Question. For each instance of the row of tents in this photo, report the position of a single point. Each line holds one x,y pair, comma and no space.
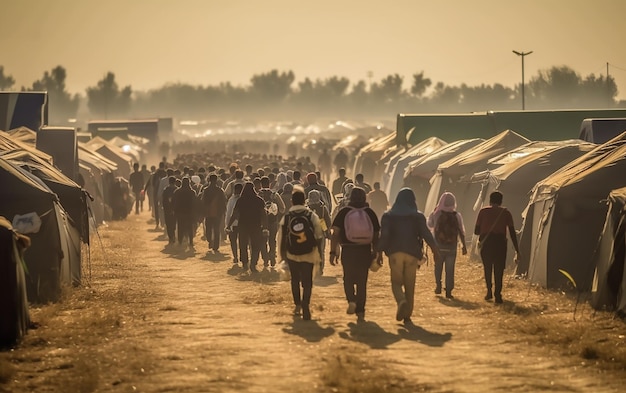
56,212
566,197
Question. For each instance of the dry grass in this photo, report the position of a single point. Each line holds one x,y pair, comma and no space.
352,372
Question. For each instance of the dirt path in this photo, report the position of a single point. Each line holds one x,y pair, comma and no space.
153,320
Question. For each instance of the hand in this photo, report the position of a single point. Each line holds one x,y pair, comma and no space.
516,258
379,258
464,250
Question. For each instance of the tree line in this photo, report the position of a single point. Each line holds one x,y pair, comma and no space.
275,95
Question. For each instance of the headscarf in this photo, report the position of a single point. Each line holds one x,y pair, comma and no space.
447,202
358,198
287,189
314,197
405,203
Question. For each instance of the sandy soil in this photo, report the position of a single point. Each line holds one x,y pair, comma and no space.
149,319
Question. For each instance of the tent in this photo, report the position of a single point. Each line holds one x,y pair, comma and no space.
601,130
14,314
394,171
419,172
367,158
112,153
48,266
609,283
455,174
565,215
517,171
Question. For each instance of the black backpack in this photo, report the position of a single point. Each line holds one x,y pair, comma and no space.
299,233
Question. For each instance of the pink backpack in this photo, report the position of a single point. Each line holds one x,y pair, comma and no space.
358,226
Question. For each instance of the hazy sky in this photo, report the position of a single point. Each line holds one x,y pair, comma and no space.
148,43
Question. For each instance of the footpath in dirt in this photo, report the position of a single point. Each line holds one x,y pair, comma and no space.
157,319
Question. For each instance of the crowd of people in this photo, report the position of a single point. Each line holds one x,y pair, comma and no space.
279,213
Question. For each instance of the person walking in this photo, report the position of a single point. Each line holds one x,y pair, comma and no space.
403,232
232,231
356,229
169,217
184,202
315,203
252,222
337,186
274,208
298,240
447,226
377,199
214,206
491,226
136,185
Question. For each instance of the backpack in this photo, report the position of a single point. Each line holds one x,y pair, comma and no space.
299,232
447,228
271,208
358,226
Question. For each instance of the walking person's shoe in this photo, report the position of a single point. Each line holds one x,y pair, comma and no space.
351,308
489,295
408,322
297,309
360,317
306,313
498,299
438,289
402,311
449,294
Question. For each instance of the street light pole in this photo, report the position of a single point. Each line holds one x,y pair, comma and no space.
522,54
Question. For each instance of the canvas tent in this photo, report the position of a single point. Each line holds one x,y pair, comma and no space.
367,158
455,174
47,259
14,316
112,153
419,172
565,215
517,171
609,283
394,171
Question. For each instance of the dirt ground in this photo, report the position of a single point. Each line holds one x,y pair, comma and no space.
150,319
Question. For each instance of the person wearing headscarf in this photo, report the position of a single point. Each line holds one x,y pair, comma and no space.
281,180
184,201
447,226
356,258
250,211
403,228
313,184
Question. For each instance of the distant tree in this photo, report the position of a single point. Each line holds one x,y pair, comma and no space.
486,97
445,98
61,103
388,90
599,91
6,81
420,84
272,87
106,99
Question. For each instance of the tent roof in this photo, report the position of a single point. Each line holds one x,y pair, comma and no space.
605,164
44,170
19,176
9,143
481,153
24,134
427,165
543,153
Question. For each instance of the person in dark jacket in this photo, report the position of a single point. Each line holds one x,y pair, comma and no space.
492,224
250,211
214,208
184,203
168,210
355,258
402,229
136,185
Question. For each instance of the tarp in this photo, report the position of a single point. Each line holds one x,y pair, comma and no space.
366,160
565,216
609,283
112,153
